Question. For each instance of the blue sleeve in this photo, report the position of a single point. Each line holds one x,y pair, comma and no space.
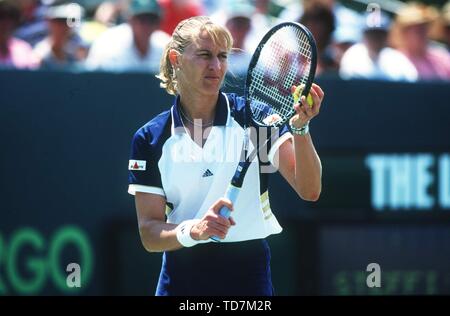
143,165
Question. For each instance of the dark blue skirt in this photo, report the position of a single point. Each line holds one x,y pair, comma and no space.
217,269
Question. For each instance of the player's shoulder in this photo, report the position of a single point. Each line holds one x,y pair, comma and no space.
237,102
237,106
155,130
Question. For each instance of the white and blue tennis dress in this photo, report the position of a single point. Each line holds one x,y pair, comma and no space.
165,160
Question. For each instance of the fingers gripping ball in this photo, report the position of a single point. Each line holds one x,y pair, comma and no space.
297,92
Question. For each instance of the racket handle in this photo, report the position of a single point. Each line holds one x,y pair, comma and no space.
231,194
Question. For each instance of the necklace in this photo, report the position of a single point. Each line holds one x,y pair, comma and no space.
193,122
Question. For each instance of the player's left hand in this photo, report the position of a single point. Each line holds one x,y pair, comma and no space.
306,112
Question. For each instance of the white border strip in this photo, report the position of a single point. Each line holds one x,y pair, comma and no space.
278,143
133,188
228,108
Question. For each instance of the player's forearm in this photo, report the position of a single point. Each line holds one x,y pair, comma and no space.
308,168
157,236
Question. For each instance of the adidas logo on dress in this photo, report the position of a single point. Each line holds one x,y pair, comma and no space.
207,173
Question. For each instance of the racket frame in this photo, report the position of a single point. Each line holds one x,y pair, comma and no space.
233,189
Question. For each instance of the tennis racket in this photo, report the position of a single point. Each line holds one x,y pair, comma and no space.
285,57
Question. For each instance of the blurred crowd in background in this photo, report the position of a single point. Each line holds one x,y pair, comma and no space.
401,41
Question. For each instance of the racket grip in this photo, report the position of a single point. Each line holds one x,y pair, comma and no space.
231,194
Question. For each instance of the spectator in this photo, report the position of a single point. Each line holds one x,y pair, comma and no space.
63,47
347,21
411,37
266,14
242,8
373,59
14,53
239,24
347,30
133,46
175,11
33,27
105,16
446,23
320,20
212,6
440,31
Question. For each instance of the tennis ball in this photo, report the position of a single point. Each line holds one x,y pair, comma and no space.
310,101
297,92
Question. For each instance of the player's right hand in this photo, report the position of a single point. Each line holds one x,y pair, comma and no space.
212,224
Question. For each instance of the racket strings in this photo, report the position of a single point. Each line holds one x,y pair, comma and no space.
284,61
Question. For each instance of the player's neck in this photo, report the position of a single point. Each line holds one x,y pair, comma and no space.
199,107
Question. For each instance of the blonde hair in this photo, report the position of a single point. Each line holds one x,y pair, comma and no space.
186,32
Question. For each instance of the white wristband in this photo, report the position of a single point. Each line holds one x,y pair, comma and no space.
184,233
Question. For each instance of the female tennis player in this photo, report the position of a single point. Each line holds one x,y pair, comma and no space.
183,159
